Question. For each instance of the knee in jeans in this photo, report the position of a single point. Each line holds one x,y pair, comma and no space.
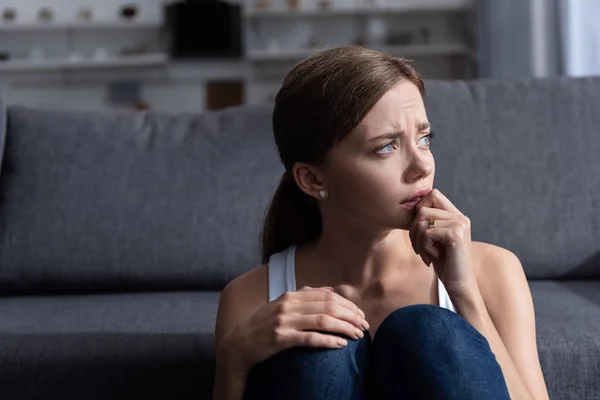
415,317
321,360
419,320
307,373
421,323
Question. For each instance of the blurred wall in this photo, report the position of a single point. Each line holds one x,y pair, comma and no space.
518,38
581,36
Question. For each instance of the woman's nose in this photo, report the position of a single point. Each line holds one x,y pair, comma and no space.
420,166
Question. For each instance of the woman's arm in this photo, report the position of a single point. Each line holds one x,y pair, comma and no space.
240,299
230,381
503,312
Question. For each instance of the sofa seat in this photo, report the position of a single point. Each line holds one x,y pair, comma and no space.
568,337
160,345
108,346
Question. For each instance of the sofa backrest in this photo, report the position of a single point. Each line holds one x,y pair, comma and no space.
521,160
147,201
132,201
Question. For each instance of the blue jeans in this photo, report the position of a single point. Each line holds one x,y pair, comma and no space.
420,352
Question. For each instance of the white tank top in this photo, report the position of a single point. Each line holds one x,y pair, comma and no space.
282,278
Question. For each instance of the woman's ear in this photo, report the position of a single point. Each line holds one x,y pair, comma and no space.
309,180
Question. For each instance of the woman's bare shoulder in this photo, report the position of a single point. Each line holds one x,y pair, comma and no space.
241,298
497,271
486,256
251,287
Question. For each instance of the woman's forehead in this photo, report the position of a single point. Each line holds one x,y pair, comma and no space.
401,105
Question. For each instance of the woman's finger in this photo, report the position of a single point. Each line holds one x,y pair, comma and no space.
327,323
317,339
424,243
427,213
429,242
336,311
435,199
322,288
443,236
329,296
424,215
417,228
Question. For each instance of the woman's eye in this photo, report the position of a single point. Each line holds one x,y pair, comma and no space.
429,137
388,148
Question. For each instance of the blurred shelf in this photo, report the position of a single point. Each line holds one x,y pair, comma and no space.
444,49
279,55
441,49
290,13
80,25
145,60
402,7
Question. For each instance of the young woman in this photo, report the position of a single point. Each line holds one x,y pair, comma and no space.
345,305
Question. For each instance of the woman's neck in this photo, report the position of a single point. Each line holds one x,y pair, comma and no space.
358,259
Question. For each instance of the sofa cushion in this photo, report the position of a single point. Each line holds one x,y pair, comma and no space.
2,128
520,159
568,336
124,201
121,346
155,344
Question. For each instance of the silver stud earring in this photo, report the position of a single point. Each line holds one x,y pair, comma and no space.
322,194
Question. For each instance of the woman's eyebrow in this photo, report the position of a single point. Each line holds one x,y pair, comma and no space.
423,126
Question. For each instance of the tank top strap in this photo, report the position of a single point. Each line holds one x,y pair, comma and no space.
282,274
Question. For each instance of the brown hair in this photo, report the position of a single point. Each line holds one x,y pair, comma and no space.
322,99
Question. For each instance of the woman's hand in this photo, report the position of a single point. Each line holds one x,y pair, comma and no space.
292,320
447,244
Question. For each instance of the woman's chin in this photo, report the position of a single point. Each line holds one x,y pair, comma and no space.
396,223
405,219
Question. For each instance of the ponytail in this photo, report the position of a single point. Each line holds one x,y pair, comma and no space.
293,217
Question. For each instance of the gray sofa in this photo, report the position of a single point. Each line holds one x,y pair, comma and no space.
118,230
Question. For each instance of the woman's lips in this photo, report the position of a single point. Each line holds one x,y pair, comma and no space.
415,198
410,205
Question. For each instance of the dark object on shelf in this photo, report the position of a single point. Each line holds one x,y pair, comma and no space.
85,14
204,29
325,4
134,50
4,56
402,38
9,15
141,105
263,4
224,94
46,14
129,12
425,35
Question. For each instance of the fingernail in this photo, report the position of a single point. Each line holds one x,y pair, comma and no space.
330,289
365,325
361,313
342,342
359,333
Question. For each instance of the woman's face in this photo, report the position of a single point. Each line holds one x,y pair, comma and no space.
384,161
